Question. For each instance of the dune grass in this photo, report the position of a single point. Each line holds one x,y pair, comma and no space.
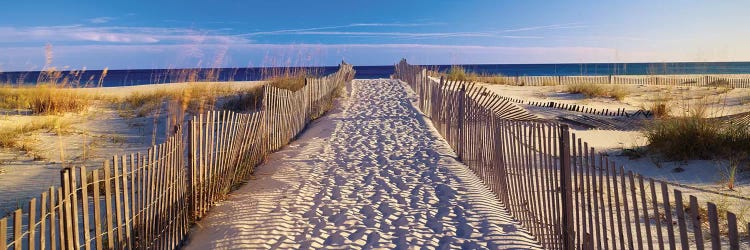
53,93
598,90
248,100
43,99
54,124
195,98
696,137
458,73
288,78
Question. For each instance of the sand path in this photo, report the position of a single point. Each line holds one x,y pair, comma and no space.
371,174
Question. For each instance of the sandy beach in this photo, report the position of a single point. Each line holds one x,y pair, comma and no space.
371,174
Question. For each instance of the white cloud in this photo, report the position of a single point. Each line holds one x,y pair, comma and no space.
298,31
324,31
113,34
396,34
552,26
100,20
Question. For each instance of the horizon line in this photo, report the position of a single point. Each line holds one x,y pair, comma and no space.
371,65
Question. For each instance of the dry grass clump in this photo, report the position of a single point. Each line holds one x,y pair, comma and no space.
492,79
695,137
249,100
458,73
53,94
196,98
55,124
598,90
145,103
660,107
291,79
44,99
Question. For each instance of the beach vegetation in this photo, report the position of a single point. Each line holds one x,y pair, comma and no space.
44,99
598,90
9,136
458,73
288,78
53,93
195,98
660,107
244,101
696,137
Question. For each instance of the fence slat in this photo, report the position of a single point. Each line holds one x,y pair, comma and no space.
126,197
32,225
3,233
97,211
734,241
646,218
108,204
42,221
85,208
118,202
655,206
679,207
67,217
713,221
74,206
696,219
17,229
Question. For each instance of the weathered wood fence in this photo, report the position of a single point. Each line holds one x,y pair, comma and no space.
150,200
583,108
566,194
710,80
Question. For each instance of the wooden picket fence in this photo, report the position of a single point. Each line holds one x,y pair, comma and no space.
695,80
566,194
150,200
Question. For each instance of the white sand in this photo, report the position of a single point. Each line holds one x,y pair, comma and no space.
372,174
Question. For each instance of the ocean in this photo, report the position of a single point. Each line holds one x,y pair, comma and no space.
151,76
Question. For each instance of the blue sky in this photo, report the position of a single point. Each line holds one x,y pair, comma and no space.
189,33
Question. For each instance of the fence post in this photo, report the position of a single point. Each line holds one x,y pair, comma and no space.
461,114
190,167
566,188
66,229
